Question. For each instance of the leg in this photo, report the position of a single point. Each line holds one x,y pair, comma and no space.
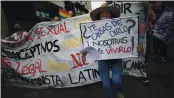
105,78
117,76
163,49
155,45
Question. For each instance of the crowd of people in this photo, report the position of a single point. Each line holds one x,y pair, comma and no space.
160,48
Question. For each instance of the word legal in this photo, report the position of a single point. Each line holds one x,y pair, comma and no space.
28,69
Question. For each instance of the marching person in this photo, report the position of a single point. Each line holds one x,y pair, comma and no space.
19,33
112,89
160,47
115,88
19,36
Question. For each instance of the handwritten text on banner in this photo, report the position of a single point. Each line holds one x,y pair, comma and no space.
163,28
112,38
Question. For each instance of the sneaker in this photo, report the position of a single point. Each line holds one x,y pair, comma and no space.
119,95
163,60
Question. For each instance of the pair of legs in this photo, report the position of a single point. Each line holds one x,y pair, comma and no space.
159,46
115,86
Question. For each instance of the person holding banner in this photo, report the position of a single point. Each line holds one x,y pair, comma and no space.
18,38
160,47
19,33
114,88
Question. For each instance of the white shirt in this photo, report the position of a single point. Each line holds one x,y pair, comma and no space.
18,37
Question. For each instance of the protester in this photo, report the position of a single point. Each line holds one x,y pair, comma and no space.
151,23
18,37
152,16
160,47
115,88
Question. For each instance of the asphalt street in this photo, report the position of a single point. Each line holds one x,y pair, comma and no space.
159,87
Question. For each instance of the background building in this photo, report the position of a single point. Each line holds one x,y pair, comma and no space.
28,13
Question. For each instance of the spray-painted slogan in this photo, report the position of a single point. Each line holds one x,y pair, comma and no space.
113,38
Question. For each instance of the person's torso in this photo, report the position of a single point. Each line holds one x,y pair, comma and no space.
19,35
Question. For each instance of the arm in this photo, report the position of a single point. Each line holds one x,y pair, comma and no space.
152,15
11,41
24,38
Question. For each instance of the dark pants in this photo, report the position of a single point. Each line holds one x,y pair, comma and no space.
114,86
159,46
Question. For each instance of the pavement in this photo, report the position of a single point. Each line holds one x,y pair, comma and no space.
159,87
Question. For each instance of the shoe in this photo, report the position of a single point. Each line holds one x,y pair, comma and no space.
163,60
145,80
119,95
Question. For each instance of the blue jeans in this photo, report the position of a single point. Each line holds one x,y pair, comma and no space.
113,87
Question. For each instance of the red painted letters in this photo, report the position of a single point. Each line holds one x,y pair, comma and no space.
30,69
118,50
78,60
55,30
5,61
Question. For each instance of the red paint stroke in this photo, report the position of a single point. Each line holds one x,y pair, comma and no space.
5,61
30,68
78,60
118,50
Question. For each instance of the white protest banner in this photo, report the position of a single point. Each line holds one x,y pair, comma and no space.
51,57
163,28
112,38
